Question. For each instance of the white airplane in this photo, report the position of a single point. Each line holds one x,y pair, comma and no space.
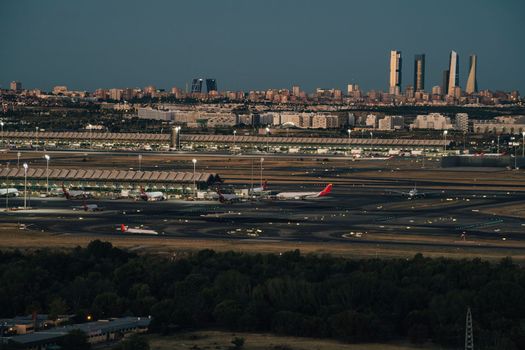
126,229
228,197
75,194
304,195
9,192
413,193
258,190
89,207
152,196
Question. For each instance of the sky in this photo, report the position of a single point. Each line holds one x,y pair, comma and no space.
255,45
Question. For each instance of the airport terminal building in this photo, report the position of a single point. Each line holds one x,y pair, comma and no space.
178,140
104,181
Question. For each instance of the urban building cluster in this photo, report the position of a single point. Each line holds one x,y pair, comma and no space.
449,92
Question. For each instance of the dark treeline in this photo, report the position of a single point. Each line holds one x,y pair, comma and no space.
420,299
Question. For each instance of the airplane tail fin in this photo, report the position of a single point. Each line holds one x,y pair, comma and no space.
123,228
143,194
326,190
66,192
221,197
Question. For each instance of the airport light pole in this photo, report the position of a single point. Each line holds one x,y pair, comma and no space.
2,125
36,138
445,139
523,144
194,161
7,185
267,144
47,157
140,162
262,160
25,185
349,137
178,137
18,154
498,146
234,133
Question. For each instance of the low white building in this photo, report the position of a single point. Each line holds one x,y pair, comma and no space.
435,121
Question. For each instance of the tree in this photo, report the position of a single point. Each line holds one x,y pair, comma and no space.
135,342
238,343
76,340
57,307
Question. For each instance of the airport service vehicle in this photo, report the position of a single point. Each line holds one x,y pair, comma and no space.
9,192
126,229
152,196
75,194
304,195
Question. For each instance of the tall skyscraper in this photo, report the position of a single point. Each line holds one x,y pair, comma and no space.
395,72
444,86
453,72
419,72
16,86
196,86
211,85
472,82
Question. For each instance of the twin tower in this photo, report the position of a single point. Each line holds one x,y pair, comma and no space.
450,76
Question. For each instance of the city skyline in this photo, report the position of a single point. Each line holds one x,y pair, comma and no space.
136,45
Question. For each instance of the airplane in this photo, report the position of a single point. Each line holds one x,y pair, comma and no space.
75,194
228,197
413,193
89,207
151,196
9,192
304,195
126,229
258,190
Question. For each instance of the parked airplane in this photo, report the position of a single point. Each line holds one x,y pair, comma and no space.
9,192
75,194
152,196
228,197
126,229
304,195
260,189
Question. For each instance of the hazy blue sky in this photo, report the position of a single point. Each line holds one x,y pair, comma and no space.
247,44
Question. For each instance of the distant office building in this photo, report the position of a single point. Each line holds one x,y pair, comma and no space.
351,89
196,86
128,94
59,90
453,72
211,85
296,90
409,91
395,72
436,90
371,121
461,122
444,84
391,122
472,83
351,119
150,113
16,86
419,72
434,121
114,94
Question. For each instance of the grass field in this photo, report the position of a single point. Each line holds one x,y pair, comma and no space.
215,340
